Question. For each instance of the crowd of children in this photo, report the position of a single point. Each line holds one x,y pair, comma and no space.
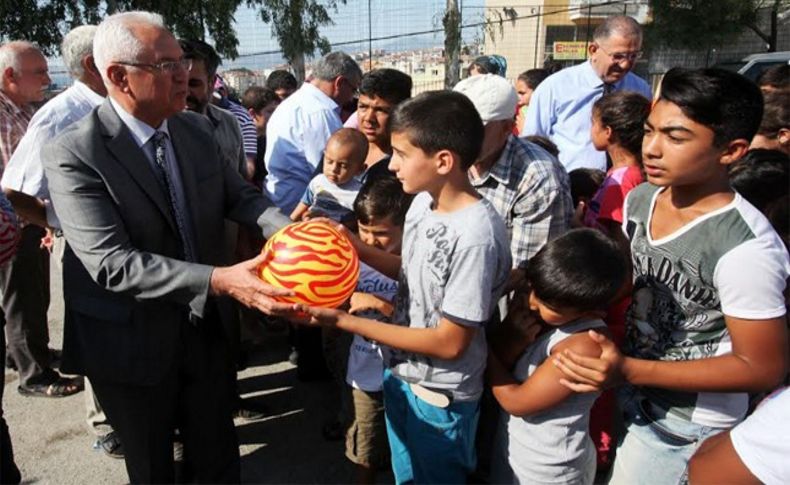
495,334
700,249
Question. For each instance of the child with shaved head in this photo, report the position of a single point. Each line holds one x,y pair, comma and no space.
332,192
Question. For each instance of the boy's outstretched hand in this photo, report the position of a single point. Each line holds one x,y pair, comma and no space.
318,316
591,374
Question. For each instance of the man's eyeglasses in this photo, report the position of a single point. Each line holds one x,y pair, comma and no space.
165,66
622,56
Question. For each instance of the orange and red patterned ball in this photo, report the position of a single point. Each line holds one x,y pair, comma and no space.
313,259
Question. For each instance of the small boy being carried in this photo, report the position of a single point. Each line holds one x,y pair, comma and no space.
331,193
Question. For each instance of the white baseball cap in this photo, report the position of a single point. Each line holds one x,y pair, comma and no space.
493,96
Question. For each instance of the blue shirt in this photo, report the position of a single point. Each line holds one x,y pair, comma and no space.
561,109
296,136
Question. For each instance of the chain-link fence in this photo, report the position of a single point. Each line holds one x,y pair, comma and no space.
409,35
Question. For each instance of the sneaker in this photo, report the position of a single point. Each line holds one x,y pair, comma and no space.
110,444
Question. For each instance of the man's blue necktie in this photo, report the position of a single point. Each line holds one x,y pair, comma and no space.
176,210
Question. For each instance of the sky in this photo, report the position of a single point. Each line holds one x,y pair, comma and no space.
351,23
389,17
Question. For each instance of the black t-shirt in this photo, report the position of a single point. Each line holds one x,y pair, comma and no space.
378,169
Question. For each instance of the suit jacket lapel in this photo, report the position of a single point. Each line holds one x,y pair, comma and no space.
121,144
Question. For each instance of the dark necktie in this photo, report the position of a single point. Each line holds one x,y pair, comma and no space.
176,210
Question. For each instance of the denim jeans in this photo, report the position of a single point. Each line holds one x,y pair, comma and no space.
428,444
656,447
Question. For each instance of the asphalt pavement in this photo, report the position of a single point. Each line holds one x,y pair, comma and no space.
53,444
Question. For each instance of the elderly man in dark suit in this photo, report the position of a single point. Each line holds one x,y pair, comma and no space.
142,192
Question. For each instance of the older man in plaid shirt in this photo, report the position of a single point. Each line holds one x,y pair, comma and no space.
24,283
527,186
24,79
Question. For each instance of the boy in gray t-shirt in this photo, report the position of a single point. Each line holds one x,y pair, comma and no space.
447,260
456,261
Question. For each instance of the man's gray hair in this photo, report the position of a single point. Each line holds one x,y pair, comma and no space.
621,25
115,40
77,45
336,64
11,54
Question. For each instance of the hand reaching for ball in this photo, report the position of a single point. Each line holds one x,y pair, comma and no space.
317,316
241,283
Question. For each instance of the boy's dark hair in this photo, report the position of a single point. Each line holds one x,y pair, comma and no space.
281,79
544,143
197,50
389,84
625,113
581,270
382,197
726,102
776,114
533,77
441,120
776,77
585,183
257,98
761,176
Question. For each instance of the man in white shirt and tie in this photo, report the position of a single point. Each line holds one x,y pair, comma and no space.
561,106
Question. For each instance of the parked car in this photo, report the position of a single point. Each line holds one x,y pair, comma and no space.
752,66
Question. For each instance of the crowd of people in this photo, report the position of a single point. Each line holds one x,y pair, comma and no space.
568,278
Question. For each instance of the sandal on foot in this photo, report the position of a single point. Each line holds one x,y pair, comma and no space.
61,387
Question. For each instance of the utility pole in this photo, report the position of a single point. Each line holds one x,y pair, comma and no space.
452,44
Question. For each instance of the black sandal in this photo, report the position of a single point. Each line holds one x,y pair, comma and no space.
61,387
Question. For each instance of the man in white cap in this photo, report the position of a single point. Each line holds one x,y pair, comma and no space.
527,186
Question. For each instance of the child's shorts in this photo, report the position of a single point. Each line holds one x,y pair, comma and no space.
366,439
429,444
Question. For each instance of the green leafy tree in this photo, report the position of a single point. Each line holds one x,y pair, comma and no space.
193,19
703,24
45,21
296,24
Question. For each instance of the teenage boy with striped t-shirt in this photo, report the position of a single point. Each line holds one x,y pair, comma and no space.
707,323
